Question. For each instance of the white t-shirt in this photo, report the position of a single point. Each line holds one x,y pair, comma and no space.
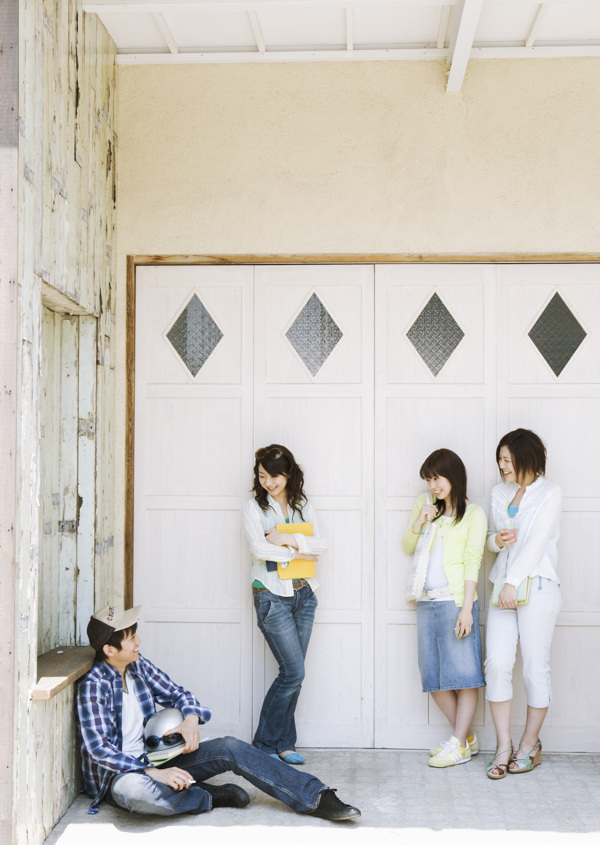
132,722
436,577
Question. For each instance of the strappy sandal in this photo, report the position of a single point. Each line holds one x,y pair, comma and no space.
531,759
501,767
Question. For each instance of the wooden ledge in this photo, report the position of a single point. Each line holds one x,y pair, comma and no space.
61,667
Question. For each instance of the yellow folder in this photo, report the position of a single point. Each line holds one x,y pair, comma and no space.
298,568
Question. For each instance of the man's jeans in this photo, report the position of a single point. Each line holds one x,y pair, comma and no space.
138,793
286,623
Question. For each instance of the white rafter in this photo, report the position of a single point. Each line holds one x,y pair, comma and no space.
467,14
244,5
349,28
443,27
165,31
128,6
258,34
248,57
537,22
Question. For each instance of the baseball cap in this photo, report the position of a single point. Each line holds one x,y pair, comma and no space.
105,622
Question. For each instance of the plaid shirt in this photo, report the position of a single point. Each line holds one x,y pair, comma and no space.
100,713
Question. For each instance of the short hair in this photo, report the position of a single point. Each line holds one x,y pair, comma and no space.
116,641
527,451
446,464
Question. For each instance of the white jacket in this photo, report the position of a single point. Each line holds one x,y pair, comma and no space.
256,522
538,529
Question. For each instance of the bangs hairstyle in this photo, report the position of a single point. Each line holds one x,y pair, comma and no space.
277,460
116,641
446,464
527,451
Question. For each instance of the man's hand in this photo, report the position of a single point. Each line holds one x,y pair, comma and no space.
177,779
189,731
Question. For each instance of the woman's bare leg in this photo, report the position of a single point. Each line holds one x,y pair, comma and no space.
465,713
501,713
447,701
531,733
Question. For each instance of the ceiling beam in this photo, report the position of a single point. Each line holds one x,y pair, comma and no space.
165,31
349,28
249,57
443,27
403,55
99,6
258,33
537,22
546,51
466,18
150,6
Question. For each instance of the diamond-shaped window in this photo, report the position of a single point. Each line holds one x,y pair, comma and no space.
314,334
557,334
435,334
194,335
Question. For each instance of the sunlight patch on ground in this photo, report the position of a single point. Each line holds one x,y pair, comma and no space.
323,834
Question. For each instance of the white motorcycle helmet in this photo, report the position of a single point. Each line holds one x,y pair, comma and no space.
160,748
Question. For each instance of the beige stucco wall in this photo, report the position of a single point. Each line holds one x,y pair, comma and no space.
355,158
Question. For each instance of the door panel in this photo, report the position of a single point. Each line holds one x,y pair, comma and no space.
434,387
193,436
314,393
552,386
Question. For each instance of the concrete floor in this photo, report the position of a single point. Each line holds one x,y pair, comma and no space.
399,796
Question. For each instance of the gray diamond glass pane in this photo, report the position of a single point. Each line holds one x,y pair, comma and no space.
557,334
194,335
435,334
314,334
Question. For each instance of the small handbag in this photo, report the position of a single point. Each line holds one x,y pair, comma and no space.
522,590
420,559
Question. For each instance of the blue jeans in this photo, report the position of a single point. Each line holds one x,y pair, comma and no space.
286,623
138,793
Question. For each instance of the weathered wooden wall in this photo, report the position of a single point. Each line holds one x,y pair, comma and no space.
9,27
65,380
67,444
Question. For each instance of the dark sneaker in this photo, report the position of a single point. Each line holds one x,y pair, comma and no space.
331,808
226,795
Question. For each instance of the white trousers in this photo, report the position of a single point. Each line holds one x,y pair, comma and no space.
533,625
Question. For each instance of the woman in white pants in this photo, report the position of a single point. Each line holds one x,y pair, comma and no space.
523,532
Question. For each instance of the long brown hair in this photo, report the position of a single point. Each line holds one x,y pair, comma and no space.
277,460
447,464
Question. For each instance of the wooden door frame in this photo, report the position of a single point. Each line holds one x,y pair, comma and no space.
134,261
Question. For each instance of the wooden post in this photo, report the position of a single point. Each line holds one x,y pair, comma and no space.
9,111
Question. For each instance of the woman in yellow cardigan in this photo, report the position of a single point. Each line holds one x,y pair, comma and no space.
447,609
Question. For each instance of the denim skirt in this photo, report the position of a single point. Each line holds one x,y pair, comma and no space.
446,662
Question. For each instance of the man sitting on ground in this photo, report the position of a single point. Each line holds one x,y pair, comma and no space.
115,700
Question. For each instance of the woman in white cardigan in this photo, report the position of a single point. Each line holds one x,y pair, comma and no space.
285,607
523,532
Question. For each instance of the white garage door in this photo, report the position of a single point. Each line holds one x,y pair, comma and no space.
361,370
